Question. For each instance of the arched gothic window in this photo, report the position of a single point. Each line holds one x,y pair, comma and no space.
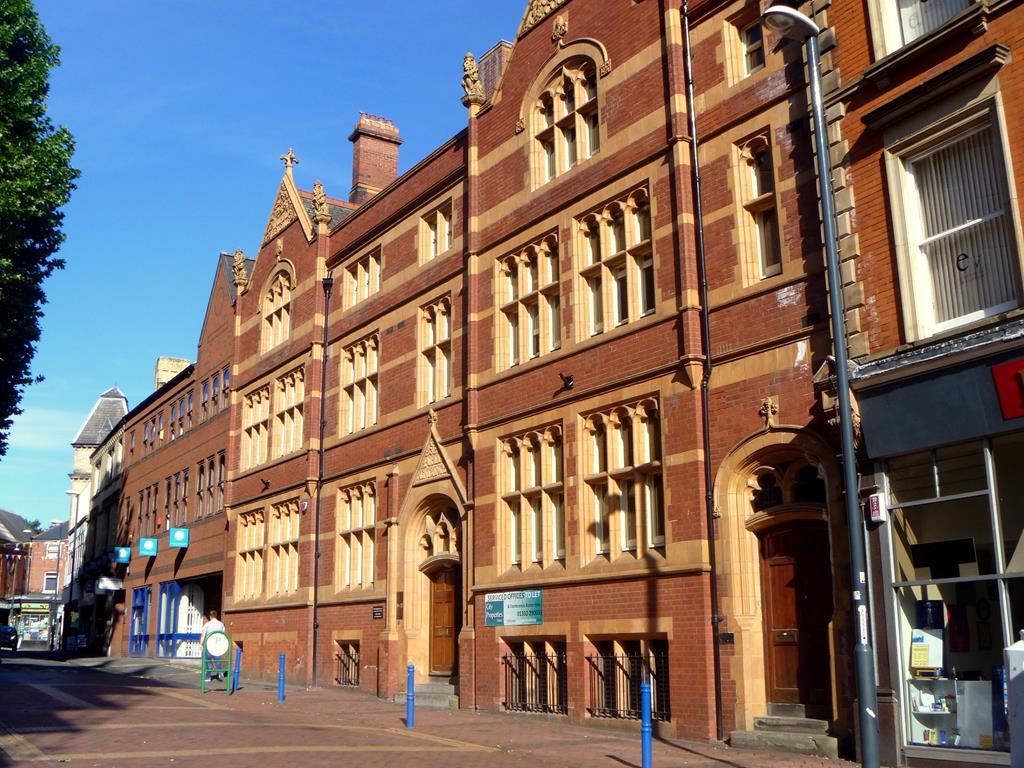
276,311
566,120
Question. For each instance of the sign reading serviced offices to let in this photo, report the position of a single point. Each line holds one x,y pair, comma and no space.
510,609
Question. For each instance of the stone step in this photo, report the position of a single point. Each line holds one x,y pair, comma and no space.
782,741
435,687
431,699
776,723
435,693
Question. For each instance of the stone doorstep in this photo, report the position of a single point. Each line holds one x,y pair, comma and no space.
790,724
435,694
782,741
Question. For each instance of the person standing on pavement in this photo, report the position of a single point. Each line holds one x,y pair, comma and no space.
212,624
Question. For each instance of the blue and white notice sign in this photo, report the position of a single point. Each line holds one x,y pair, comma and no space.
122,554
512,609
147,547
178,537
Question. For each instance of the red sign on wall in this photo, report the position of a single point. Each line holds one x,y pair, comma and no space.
1009,379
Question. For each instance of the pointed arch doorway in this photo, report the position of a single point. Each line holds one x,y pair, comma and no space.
442,567
790,520
430,545
774,491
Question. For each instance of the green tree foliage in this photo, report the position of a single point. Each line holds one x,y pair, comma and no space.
36,179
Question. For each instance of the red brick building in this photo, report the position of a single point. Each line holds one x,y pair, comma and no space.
925,115
172,490
465,426
513,495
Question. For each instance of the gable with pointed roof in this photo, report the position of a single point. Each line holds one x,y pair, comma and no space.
108,411
287,208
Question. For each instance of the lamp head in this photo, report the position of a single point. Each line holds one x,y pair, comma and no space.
789,22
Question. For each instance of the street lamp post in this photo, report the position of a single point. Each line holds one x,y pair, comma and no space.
790,23
328,284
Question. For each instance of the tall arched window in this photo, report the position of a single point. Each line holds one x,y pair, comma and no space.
566,121
276,304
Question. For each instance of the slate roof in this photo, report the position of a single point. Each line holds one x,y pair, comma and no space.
227,263
12,527
57,532
109,410
338,212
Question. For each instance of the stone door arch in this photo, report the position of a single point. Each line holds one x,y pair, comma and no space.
773,486
431,541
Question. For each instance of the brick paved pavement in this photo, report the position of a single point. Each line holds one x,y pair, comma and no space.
93,713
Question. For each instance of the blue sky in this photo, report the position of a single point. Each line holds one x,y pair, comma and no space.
180,110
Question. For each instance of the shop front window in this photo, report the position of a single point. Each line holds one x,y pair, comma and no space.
956,524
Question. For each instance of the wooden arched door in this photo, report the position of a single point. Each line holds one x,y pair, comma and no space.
796,583
444,620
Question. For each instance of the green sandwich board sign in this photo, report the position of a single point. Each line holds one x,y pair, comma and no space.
511,609
217,660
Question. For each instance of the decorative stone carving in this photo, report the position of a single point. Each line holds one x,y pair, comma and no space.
432,466
605,68
520,125
281,215
536,13
769,412
431,417
279,249
559,29
321,210
471,82
238,270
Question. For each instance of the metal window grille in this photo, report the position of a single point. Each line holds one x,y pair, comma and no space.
348,665
536,683
615,684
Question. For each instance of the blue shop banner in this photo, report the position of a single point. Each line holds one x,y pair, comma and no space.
178,537
122,554
512,609
147,547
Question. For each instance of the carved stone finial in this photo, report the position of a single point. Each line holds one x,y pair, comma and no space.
471,83
769,411
238,270
520,125
289,160
321,210
559,29
432,417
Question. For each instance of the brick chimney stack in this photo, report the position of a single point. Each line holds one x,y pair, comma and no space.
492,64
374,156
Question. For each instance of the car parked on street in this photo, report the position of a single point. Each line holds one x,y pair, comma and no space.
8,637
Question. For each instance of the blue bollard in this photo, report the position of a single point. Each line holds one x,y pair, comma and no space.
410,697
280,678
645,725
238,666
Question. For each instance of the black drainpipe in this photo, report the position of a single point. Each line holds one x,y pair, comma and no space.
705,335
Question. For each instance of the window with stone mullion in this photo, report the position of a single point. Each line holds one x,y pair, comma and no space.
289,420
276,306
284,549
531,307
360,391
616,264
568,129
623,475
249,568
533,499
436,351
255,427
357,513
